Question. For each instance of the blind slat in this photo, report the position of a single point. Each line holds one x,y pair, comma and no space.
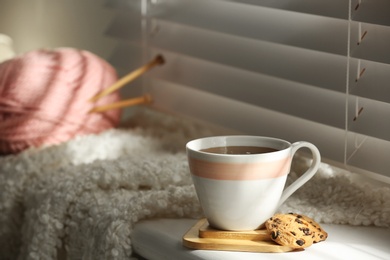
329,8
279,26
370,80
371,11
295,64
300,100
370,42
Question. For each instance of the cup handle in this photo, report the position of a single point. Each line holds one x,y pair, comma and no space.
307,175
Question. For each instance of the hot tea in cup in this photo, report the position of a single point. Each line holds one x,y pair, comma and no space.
240,180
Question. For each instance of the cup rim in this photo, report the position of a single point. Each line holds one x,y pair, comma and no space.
194,145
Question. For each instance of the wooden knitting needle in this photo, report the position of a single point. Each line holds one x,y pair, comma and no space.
146,99
129,77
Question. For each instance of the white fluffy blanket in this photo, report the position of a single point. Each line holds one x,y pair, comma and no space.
82,199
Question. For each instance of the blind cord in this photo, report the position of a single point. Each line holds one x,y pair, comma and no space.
347,81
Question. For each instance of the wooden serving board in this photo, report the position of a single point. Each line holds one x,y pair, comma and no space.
201,236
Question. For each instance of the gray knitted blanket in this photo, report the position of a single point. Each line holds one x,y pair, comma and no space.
81,199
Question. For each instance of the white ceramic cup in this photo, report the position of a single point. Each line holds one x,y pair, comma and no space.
241,191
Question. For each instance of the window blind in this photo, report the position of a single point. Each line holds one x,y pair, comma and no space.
314,70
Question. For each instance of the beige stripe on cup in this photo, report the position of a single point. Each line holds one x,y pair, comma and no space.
240,171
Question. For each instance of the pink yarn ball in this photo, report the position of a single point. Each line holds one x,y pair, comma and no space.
44,98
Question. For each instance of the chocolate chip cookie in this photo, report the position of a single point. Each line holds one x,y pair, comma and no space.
294,230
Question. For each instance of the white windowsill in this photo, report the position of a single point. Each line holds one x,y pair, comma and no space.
162,239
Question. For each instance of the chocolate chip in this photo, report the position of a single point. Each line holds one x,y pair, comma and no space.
278,220
293,233
300,242
298,221
305,231
274,234
299,216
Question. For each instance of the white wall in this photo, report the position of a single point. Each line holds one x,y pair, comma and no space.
34,24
